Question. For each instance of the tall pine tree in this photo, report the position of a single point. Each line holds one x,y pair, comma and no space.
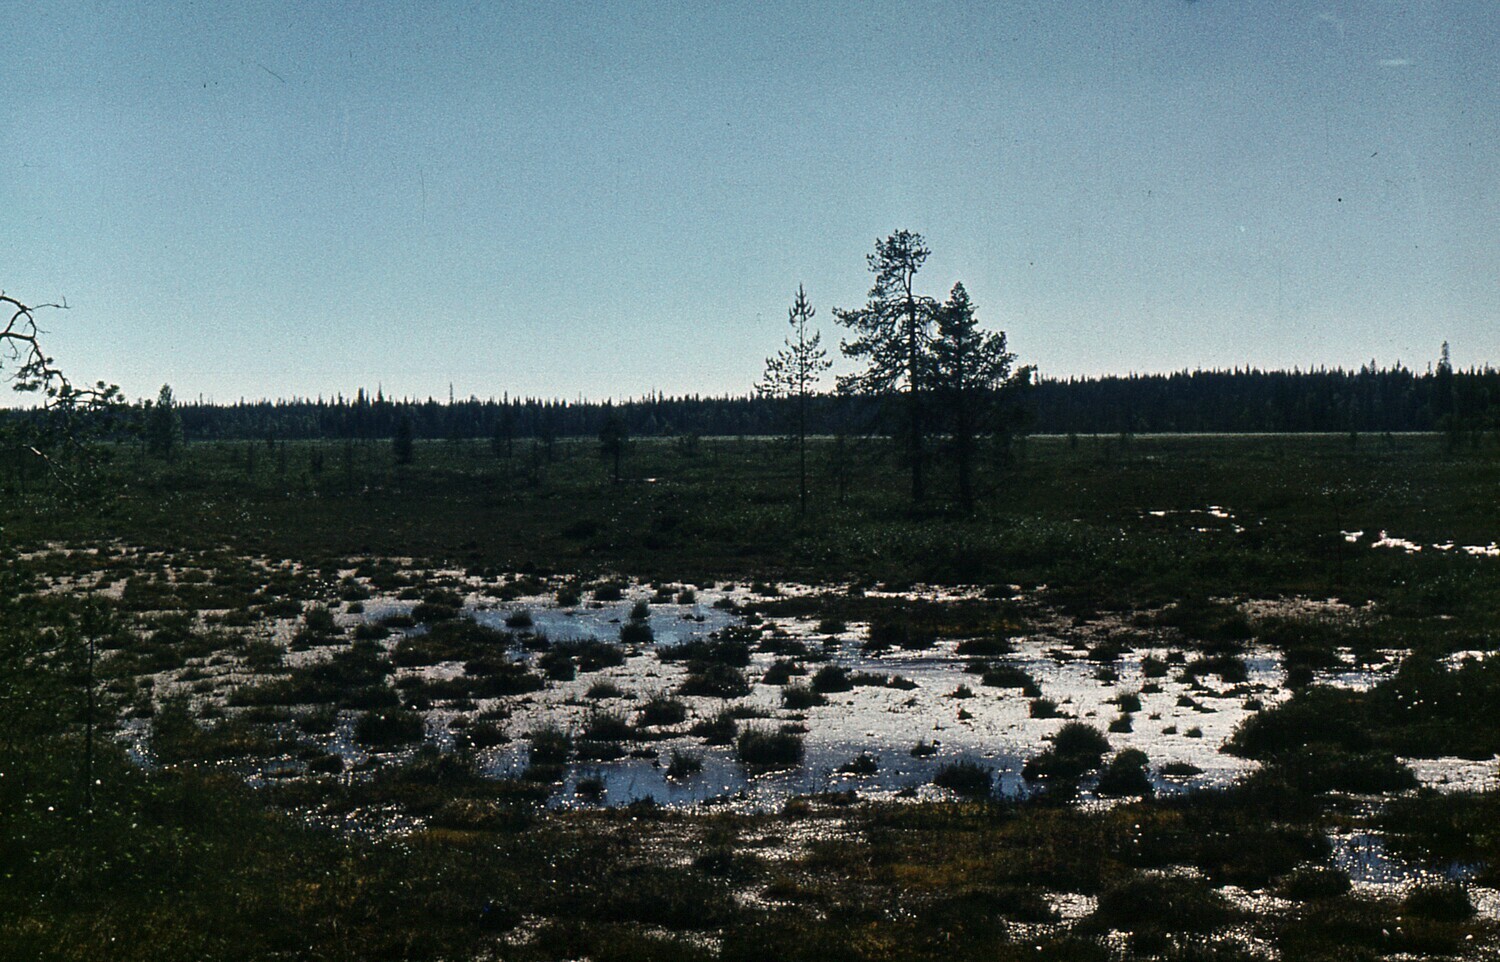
893,331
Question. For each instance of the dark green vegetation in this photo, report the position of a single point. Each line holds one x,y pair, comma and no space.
1371,401
419,857
1070,517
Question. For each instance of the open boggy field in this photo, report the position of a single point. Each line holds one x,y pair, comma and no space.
1158,698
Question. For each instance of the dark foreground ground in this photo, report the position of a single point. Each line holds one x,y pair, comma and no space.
138,820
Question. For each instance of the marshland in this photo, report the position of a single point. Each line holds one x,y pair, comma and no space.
453,708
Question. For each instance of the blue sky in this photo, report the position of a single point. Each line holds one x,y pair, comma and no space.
262,199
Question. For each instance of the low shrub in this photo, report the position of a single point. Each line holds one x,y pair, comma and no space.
1009,676
721,728
1126,774
986,648
636,633
716,681
604,689
800,697
762,748
965,778
683,764
1043,708
1439,901
385,727
609,591
862,764
1161,904
661,709
605,726
1077,748
550,745
781,671
1309,882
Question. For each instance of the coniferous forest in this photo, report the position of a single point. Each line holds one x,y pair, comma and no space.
1369,400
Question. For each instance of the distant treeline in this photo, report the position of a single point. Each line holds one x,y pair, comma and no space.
1367,400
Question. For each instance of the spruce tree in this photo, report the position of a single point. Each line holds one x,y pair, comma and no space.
970,376
163,426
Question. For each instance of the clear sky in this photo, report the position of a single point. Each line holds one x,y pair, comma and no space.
265,199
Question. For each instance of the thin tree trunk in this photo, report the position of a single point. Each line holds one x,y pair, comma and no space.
802,454
918,488
88,735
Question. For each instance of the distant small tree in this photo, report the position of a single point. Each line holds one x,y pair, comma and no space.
893,330
793,373
163,426
970,375
403,443
613,439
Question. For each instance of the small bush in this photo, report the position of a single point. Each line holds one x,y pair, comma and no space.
520,618
1126,774
760,748
986,648
800,697
1009,676
899,634
389,726
482,734
862,764
1043,708
718,729
661,710
1230,668
965,778
781,671
683,765
831,678
636,633
1442,901
1163,904
727,649
1076,748
319,620
1309,882
427,613
602,726
609,591
550,745
367,631
715,680
1324,769
591,654
603,689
